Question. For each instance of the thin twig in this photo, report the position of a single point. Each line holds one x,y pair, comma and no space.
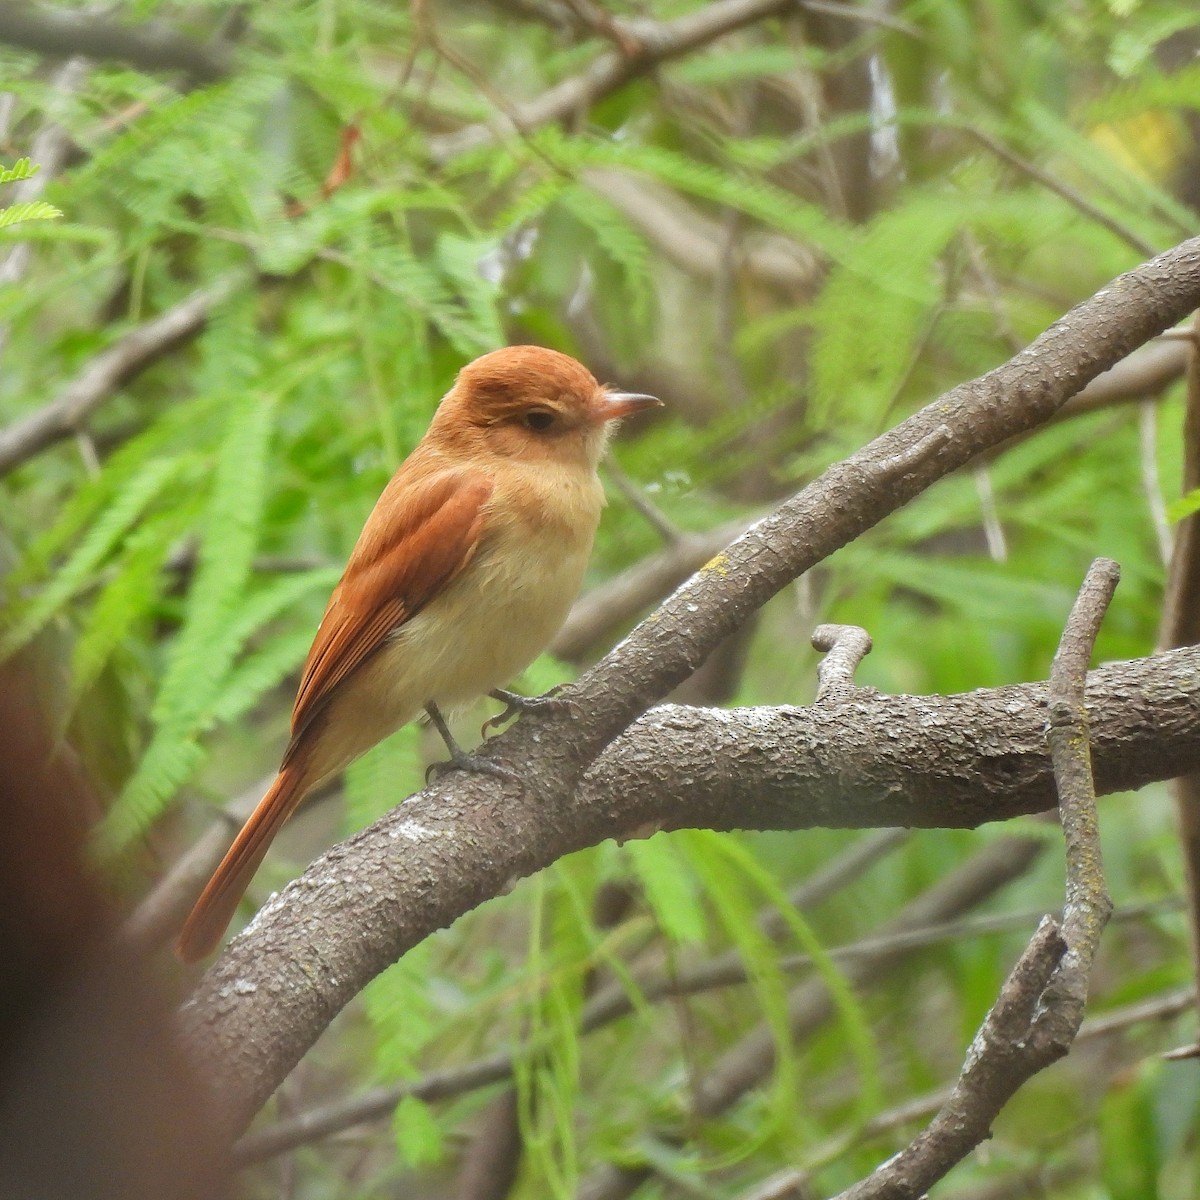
637,499
611,607
993,530
1076,199
658,41
1088,906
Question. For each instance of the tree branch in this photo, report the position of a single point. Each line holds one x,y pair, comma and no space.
1040,1007
656,42
149,47
364,904
105,373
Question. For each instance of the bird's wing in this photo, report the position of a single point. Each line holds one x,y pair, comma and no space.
418,538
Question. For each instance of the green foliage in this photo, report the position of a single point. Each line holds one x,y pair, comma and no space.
25,210
177,555
30,210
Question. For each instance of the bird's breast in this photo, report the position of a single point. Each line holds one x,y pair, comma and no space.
506,605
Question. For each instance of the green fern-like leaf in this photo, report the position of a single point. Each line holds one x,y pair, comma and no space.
81,568
23,168
125,601
1185,506
670,887
623,244
253,675
874,304
218,618
203,649
460,258
754,197
30,210
853,1016
170,438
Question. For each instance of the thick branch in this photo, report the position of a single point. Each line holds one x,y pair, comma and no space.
149,47
372,898
878,760
1181,627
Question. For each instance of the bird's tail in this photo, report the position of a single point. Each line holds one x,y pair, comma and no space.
219,900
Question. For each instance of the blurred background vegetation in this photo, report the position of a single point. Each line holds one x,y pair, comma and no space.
795,223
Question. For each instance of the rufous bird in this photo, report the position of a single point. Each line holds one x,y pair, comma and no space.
462,574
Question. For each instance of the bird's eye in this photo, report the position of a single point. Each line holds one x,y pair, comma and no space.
539,419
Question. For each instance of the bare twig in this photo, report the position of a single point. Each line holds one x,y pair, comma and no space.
611,607
641,503
1088,906
159,915
1145,373
993,530
105,373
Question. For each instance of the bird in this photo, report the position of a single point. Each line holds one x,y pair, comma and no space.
463,572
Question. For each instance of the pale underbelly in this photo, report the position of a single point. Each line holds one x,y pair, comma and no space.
489,625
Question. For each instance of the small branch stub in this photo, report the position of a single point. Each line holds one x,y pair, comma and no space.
844,647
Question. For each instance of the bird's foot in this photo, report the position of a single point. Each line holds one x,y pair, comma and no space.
515,705
462,761
459,759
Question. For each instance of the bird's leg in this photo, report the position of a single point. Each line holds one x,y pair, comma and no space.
459,758
515,704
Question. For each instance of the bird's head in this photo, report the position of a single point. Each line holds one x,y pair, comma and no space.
534,404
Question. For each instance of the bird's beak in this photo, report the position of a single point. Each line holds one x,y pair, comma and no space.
612,406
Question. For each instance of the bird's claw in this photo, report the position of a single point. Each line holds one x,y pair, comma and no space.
471,763
515,705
